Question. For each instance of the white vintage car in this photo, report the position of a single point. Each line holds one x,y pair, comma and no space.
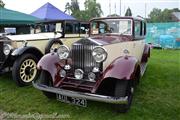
104,67
20,53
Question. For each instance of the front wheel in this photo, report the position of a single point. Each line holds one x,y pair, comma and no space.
123,88
24,69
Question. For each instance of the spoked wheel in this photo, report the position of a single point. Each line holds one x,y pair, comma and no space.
123,88
24,70
46,79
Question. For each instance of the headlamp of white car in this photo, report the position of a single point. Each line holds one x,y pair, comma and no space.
63,52
7,49
99,54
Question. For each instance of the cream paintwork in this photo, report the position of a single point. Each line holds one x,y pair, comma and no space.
40,40
114,51
71,38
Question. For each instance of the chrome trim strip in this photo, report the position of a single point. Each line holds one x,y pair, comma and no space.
88,96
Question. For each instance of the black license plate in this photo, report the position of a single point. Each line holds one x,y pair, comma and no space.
72,100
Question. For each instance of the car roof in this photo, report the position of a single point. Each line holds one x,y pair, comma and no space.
118,17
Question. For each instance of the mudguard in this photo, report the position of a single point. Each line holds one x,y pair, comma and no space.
146,53
28,49
121,68
50,43
49,63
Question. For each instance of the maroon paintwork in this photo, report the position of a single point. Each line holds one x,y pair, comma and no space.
51,63
146,53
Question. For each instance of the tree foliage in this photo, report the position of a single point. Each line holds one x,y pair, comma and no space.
128,12
72,8
113,15
2,3
157,15
92,9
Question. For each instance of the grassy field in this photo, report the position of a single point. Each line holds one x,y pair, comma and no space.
156,98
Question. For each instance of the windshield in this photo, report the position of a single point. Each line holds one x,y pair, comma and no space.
113,26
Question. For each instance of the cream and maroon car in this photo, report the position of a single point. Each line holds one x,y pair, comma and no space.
104,67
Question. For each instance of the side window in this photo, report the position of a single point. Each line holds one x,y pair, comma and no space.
144,28
102,27
72,29
84,27
137,29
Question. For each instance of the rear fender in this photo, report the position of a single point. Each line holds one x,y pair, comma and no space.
146,53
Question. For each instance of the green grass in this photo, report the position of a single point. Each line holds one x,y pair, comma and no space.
156,98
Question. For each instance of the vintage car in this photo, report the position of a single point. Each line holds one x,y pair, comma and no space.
104,67
20,53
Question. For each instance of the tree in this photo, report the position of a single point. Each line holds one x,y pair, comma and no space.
92,9
156,15
73,7
2,3
113,15
128,12
68,8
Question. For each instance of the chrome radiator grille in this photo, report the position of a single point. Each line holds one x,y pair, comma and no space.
82,57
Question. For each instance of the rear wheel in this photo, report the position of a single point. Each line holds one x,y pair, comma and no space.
123,88
46,79
24,70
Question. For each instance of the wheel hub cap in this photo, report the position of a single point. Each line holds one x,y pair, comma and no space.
28,70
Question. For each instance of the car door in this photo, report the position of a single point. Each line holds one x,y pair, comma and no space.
139,39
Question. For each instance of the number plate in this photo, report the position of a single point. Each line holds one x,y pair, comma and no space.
72,100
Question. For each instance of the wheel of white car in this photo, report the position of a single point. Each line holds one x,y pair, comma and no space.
24,69
46,79
123,88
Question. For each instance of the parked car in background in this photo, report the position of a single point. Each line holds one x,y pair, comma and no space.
104,67
20,53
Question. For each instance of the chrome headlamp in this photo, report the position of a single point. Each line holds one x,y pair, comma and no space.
99,54
63,52
7,49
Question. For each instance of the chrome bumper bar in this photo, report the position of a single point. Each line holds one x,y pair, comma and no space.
88,96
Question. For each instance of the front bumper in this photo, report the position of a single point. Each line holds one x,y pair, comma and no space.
88,96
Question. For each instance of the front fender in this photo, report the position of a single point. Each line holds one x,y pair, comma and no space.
49,63
27,49
121,68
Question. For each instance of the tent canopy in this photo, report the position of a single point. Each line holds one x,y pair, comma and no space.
10,17
50,12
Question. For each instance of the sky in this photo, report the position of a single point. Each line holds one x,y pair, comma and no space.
138,7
